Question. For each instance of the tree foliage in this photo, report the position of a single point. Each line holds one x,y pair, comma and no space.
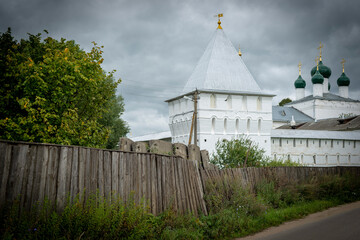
285,101
54,92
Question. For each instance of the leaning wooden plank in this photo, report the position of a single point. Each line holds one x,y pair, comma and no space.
138,178
201,185
165,196
122,171
143,180
88,177
178,197
153,184
68,171
148,180
100,176
5,170
183,200
31,177
25,179
94,157
61,179
17,171
43,154
107,175
159,204
82,171
52,173
196,188
74,186
194,169
188,184
127,182
115,173
133,177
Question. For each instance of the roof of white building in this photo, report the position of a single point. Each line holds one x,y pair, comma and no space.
221,68
326,96
284,114
311,134
332,124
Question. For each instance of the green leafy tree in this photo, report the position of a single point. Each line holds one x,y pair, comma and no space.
285,101
54,92
236,153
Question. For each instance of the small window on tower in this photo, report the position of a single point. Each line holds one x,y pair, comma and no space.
259,104
244,103
212,101
213,126
229,102
248,126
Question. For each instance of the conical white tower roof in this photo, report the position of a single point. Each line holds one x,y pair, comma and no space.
221,69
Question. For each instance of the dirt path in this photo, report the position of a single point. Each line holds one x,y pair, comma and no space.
303,226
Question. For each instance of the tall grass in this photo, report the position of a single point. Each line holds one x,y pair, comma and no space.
235,211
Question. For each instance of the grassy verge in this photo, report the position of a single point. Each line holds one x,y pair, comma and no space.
234,212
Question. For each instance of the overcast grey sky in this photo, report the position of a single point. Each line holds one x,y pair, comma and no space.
155,45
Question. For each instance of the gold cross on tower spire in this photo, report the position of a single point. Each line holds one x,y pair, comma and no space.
299,65
343,63
239,51
219,22
317,63
319,48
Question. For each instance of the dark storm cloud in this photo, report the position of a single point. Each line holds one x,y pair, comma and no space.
155,45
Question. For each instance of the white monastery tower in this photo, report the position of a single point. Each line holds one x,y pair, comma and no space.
229,101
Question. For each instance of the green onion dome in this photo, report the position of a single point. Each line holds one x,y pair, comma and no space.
343,80
324,70
317,78
300,82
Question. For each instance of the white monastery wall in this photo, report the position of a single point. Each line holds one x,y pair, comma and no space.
317,151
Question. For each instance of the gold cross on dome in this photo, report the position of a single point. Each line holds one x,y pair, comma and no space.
317,63
219,22
319,48
299,65
343,64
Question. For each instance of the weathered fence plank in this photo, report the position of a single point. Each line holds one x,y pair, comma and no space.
61,179
74,180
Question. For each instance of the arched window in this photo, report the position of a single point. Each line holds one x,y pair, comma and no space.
213,126
212,101
244,103
225,125
248,126
176,128
237,126
259,126
229,102
259,104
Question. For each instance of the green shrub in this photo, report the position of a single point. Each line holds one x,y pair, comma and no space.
235,153
244,152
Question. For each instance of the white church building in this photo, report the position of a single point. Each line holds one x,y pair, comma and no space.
229,103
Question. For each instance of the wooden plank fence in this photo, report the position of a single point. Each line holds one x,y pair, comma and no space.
249,177
31,172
